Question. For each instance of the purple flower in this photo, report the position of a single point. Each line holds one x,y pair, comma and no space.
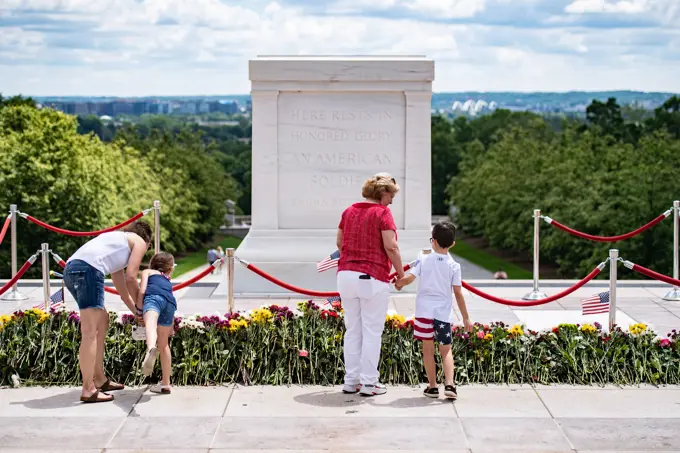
597,325
74,318
127,319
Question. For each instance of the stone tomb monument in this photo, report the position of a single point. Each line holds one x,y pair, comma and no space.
321,127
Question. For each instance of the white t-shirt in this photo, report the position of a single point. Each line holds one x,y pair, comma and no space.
438,273
108,252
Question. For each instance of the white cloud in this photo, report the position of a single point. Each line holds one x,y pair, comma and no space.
605,6
144,47
447,8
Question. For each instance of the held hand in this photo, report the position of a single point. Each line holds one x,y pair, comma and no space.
468,325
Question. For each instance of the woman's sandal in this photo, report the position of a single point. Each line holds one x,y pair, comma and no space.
110,386
94,398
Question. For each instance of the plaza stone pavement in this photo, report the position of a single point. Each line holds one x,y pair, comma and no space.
314,419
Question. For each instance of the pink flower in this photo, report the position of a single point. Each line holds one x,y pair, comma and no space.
303,353
480,335
665,343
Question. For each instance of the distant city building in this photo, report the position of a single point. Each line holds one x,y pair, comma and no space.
473,107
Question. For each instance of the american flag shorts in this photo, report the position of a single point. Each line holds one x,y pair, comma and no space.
432,329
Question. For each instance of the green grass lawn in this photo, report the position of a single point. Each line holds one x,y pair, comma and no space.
198,258
489,262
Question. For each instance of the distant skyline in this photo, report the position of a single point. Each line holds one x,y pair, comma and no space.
202,47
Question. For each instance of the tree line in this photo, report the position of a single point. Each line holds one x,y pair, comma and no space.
77,181
606,175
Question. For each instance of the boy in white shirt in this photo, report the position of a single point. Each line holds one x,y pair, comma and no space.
440,279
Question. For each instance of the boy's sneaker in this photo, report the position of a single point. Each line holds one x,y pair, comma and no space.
450,392
372,390
431,392
149,361
351,388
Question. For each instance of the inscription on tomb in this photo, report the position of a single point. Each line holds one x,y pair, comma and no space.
328,145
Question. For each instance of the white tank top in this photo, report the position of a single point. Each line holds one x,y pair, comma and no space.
108,252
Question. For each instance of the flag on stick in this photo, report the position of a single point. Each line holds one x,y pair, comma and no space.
596,304
329,262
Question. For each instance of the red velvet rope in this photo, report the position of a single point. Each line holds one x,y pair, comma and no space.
295,289
620,237
472,289
16,278
83,233
531,303
655,275
4,228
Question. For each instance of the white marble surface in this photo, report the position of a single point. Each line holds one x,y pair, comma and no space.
328,145
342,69
321,127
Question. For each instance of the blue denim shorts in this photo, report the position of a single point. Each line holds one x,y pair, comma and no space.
165,309
85,283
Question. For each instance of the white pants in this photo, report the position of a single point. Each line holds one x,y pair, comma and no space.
365,304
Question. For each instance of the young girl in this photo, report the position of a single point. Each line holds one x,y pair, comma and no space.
155,294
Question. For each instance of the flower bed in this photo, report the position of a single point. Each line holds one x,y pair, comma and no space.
276,346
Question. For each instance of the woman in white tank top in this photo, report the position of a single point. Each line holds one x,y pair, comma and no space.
119,254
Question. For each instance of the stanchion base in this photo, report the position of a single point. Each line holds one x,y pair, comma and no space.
673,294
14,295
534,295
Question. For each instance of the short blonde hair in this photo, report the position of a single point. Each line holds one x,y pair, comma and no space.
377,185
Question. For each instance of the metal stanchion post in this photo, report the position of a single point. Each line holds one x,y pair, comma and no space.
674,293
230,279
613,263
536,294
157,226
44,248
14,293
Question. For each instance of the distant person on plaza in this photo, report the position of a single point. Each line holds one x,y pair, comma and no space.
118,253
367,242
440,279
159,305
220,255
212,257
500,275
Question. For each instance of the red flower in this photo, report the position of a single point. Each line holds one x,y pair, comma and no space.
555,330
303,353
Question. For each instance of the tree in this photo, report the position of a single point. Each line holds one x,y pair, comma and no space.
194,185
70,180
16,101
667,117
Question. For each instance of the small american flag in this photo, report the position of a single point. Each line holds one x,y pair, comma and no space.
56,301
595,304
329,262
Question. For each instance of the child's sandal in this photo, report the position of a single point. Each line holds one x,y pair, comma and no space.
162,389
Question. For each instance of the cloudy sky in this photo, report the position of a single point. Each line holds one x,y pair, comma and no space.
186,47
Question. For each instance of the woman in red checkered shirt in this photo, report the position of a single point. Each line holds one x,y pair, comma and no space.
367,241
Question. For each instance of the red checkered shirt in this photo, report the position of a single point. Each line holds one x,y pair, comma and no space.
362,225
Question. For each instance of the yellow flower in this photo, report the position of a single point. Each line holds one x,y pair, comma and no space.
237,324
5,319
488,337
516,330
588,328
43,318
35,312
395,320
261,316
637,329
